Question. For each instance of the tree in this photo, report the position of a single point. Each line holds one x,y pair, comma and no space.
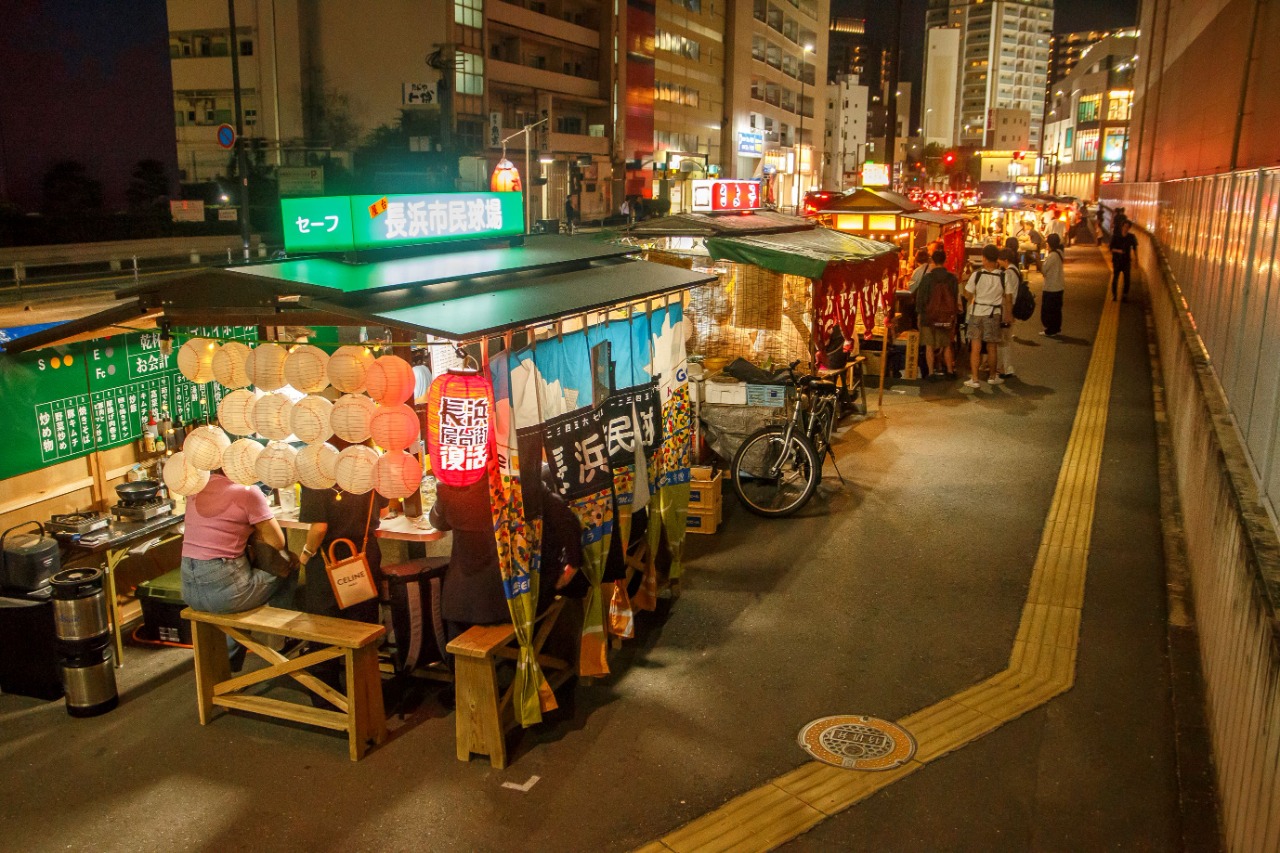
329,122
933,154
148,192
69,191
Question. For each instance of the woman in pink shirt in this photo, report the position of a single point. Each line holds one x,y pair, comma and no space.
216,575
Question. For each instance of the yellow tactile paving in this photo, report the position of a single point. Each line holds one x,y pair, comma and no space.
1042,662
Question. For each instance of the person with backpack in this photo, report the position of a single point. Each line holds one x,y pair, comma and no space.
937,305
1052,289
1024,307
990,302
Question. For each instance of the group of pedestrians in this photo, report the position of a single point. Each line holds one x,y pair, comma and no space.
988,314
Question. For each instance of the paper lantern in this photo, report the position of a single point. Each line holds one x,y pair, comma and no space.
505,177
397,475
181,478
459,416
203,447
277,465
195,359
318,466
306,369
235,411
272,415
394,427
230,364
239,459
266,367
390,380
310,419
348,368
351,416
354,469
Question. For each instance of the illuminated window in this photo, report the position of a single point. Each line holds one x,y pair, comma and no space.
469,79
1089,108
469,13
1119,105
1087,145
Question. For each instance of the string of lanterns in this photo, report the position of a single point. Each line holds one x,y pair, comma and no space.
373,403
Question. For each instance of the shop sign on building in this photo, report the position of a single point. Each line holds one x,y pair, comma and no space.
417,94
301,180
751,143
875,175
716,196
348,223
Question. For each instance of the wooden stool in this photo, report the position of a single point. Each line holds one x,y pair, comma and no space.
359,713
482,717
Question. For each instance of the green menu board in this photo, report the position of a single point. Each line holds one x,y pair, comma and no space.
64,402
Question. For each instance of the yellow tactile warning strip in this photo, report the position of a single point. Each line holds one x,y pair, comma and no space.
1041,666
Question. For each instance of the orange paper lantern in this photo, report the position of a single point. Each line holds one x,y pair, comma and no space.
505,178
390,380
459,427
394,427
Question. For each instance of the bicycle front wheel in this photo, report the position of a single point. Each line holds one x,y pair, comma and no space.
772,475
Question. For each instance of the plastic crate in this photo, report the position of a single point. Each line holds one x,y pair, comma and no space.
161,601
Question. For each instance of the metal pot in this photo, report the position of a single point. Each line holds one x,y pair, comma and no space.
138,491
79,608
27,561
90,683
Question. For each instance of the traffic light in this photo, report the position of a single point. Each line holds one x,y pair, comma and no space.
949,159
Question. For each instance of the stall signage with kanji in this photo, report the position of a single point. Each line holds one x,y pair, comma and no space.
347,223
720,196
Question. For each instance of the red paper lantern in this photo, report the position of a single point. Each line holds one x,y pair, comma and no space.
459,426
505,178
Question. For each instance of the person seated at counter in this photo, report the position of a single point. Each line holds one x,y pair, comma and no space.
561,562
472,592
216,575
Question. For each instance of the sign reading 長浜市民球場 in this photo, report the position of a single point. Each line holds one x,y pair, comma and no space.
348,223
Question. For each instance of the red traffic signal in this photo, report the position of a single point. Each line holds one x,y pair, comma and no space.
949,158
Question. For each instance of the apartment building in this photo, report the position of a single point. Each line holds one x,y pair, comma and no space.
941,79
772,93
845,136
1004,55
1065,50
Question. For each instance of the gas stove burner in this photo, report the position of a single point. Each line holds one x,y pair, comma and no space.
77,522
144,502
142,510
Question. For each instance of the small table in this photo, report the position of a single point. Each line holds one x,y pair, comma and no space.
399,527
114,544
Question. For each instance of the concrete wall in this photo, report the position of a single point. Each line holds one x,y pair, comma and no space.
1194,262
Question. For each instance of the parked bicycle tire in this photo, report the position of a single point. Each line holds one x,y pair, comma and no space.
773,481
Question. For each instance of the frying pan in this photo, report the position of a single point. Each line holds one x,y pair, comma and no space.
140,490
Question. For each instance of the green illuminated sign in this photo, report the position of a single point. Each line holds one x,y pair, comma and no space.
347,223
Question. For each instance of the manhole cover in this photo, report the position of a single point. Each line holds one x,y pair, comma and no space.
858,743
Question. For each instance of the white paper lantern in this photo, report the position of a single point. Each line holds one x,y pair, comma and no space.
310,419
397,475
235,411
277,465
421,382
354,470
272,415
306,369
348,368
390,380
394,427
318,466
266,367
204,446
230,364
239,459
195,359
351,416
181,478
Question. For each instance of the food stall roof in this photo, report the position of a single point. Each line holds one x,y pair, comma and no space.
871,201
805,253
711,225
453,295
935,218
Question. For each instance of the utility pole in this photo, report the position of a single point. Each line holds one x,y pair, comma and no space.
242,157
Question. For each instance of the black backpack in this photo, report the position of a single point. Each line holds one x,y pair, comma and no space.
1024,304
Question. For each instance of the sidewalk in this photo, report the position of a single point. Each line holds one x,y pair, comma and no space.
900,588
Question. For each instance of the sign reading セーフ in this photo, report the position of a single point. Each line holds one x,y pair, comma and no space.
349,223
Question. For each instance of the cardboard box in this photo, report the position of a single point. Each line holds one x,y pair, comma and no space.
725,393
702,473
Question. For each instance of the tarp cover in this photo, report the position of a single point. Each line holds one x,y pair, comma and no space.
806,253
709,225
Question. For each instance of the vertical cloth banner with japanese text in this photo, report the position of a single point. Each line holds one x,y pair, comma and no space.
669,506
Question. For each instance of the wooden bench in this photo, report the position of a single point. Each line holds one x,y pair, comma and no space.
359,713
482,717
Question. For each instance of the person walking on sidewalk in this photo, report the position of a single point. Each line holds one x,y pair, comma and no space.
937,303
989,303
1123,245
1051,290
1012,278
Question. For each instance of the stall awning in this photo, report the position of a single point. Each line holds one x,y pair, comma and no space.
806,253
458,295
935,218
707,225
871,201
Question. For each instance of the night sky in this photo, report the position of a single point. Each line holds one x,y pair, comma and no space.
1069,16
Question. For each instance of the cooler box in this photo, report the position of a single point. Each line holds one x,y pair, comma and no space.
161,601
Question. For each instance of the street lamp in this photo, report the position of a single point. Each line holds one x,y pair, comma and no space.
808,49
525,130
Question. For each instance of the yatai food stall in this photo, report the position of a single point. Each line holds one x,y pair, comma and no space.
579,344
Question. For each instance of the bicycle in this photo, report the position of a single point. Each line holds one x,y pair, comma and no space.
778,467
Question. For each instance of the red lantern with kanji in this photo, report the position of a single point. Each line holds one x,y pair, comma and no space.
505,178
459,425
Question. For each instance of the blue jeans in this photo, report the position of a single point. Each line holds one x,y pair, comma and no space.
232,586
